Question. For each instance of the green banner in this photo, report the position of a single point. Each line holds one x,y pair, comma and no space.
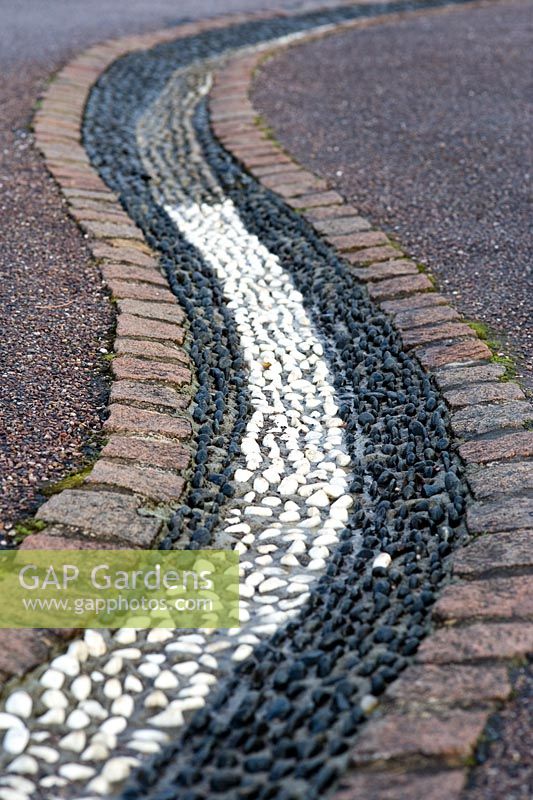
119,588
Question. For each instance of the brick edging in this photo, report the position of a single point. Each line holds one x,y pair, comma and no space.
428,723
140,474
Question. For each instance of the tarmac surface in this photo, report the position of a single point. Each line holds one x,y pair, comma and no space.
425,125
53,312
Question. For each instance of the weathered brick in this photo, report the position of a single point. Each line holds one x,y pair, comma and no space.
293,188
148,393
344,225
150,349
414,301
122,254
481,641
370,254
483,393
497,553
140,291
137,420
128,325
389,785
129,272
434,333
454,353
275,169
102,194
451,684
385,269
316,199
262,161
161,311
148,482
50,541
501,448
152,452
476,420
450,736
141,369
110,230
500,515
399,286
425,316
492,598
359,240
21,650
283,174
338,211
101,514
453,377
509,478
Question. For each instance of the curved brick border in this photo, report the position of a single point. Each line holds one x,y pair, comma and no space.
433,715
430,720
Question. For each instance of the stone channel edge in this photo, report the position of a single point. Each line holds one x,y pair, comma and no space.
430,719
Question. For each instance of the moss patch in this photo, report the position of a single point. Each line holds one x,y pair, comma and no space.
70,482
28,526
493,343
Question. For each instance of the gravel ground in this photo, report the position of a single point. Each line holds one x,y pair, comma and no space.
425,126
53,314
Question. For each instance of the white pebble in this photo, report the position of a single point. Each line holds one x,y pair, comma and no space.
126,636
113,666
77,720
73,741
95,643
118,769
242,652
95,752
52,679
271,584
76,772
156,699
24,765
46,754
133,684
123,706
9,721
19,703
383,561
368,703
186,668
113,725
81,687
53,698
171,718
112,688
67,664
15,740
166,680
288,486
54,716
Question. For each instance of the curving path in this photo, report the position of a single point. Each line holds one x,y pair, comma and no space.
323,456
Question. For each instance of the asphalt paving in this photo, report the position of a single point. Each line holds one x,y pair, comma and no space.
425,125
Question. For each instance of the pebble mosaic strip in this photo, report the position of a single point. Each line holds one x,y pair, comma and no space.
295,683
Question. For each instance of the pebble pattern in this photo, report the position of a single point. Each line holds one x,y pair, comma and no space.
344,504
